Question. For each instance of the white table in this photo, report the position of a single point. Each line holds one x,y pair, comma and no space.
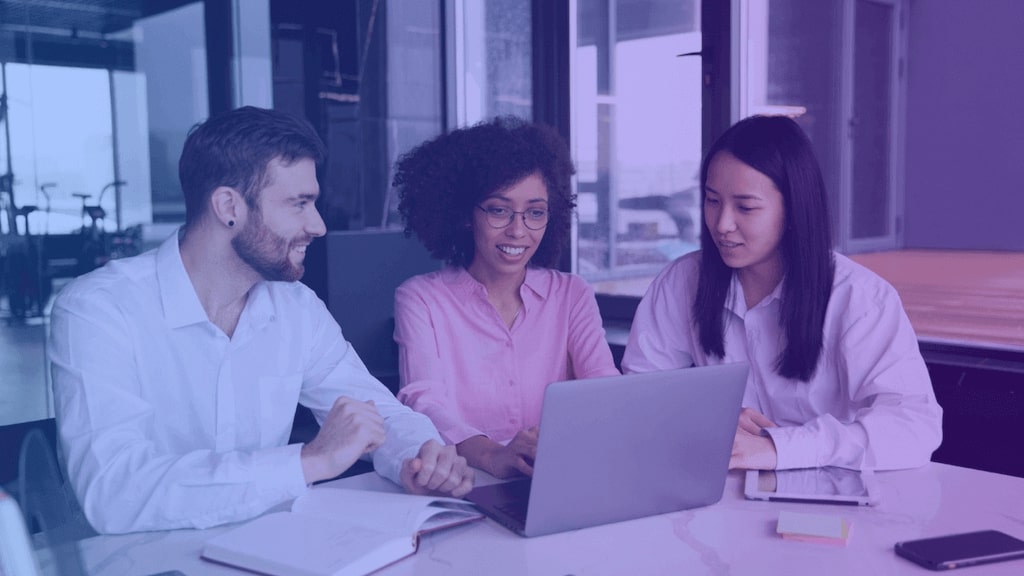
734,536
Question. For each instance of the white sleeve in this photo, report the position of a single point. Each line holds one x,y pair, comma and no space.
659,337
336,370
897,421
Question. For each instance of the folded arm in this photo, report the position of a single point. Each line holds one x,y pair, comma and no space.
394,434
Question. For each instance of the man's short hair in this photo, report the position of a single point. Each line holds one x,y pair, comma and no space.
234,149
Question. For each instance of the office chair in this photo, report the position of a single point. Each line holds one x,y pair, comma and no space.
46,498
367,267
16,553
51,511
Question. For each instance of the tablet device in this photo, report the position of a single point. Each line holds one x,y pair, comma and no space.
828,485
959,550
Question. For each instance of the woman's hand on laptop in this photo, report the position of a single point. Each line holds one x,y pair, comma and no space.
522,450
437,469
502,461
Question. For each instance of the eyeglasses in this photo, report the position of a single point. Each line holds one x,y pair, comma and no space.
501,217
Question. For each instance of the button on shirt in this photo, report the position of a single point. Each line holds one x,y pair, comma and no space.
166,422
869,405
464,367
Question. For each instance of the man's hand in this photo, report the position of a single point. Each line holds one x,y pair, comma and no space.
351,429
437,470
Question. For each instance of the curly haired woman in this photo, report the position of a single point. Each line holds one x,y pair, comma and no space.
481,339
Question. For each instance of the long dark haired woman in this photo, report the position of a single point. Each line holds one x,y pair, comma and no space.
836,376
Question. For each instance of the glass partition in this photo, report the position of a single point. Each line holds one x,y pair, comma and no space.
637,131
96,102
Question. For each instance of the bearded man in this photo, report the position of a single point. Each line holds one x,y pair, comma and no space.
176,373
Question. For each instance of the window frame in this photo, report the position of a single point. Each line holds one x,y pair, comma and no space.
718,105
893,239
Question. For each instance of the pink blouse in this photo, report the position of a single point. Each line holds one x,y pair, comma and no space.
470,373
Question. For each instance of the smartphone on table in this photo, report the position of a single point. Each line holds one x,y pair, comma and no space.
959,550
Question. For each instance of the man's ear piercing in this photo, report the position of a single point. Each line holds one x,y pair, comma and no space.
231,223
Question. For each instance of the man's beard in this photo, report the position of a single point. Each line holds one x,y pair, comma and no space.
266,252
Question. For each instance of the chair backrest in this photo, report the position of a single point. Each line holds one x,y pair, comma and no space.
11,438
16,554
31,472
364,269
49,504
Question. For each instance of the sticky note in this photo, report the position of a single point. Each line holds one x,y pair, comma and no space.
813,527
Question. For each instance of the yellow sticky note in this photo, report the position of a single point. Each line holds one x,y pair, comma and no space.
813,527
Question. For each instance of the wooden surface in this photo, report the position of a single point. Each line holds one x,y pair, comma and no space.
958,296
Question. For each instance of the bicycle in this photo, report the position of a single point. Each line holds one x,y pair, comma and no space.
25,284
98,245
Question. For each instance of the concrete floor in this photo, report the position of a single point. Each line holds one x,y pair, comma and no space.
24,392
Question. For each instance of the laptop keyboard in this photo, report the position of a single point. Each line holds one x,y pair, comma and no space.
515,509
509,499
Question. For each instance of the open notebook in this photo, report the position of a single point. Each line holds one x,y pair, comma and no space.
337,532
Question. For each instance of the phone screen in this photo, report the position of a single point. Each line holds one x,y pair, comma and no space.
962,549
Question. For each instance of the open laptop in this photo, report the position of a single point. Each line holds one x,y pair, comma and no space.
623,447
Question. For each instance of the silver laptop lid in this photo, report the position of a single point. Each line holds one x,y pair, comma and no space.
623,447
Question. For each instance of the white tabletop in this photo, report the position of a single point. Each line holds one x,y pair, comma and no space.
734,536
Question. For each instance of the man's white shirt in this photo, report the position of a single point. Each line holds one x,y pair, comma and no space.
165,422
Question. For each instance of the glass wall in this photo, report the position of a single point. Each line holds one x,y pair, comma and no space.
834,67
95,103
637,131
99,99
638,120
790,62
491,60
369,76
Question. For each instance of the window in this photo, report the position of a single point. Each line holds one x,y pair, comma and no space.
368,75
97,106
912,109
490,50
637,138
837,68
377,78
50,162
